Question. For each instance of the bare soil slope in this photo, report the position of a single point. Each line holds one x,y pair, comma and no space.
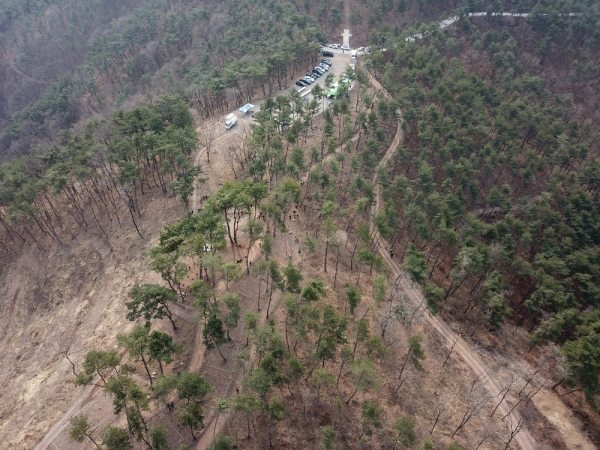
69,298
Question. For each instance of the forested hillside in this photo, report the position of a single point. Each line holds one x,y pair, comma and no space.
496,182
70,60
409,263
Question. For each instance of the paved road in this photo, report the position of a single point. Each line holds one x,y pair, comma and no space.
449,21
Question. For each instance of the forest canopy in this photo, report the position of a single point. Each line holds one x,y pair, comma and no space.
496,182
212,54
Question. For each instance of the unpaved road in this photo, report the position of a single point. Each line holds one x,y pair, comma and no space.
216,172
546,401
461,348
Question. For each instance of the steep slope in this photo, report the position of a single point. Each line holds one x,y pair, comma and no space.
70,61
497,197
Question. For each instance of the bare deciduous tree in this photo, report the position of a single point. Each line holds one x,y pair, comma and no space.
440,410
451,349
207,137
476,403
514,430
504,392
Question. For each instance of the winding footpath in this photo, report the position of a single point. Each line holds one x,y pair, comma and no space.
523,439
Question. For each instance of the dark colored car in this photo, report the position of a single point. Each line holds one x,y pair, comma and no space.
328,54
301,83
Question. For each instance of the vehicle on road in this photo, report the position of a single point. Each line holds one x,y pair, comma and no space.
230,120
338,87
345,47
334,46
328,54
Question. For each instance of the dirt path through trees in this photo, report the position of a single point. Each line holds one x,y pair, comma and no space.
461,348
546,401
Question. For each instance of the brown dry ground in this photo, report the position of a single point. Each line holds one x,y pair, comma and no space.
451,387
420,396
72,298
68,298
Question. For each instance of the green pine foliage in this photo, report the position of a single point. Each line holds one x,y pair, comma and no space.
498,183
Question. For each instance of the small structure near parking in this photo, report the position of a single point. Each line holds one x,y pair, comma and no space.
247,107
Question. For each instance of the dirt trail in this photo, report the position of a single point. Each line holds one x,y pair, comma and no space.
546,401
461,348
88,393
214,145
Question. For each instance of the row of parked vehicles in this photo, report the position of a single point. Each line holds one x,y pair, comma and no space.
311,77
336,46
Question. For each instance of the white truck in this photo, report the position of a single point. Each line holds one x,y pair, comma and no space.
230,120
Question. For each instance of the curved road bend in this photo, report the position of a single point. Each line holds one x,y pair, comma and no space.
523,439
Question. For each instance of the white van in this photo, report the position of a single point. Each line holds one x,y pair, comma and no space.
230,121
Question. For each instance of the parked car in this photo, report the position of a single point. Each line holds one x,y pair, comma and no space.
319,69
324,67
334,46
345,47
328,54
326,61
309,80
301,83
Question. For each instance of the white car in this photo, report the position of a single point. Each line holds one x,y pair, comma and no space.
334,46
309,80
345,47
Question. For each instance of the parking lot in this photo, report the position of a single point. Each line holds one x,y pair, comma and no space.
340,62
